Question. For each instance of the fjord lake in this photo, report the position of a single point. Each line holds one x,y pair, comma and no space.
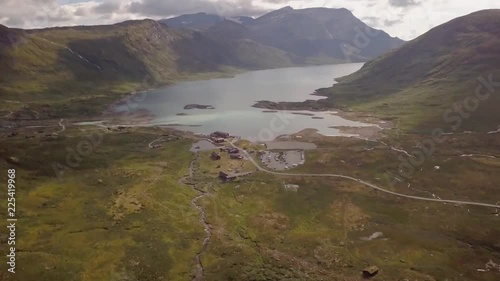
232,100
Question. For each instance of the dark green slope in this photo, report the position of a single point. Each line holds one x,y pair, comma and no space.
65,62
420,81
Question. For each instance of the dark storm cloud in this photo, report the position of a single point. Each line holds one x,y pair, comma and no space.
404,3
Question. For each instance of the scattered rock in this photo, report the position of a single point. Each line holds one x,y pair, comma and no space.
492,266
373,236
292,187
13,160
370,271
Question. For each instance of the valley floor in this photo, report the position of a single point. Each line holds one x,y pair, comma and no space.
98,203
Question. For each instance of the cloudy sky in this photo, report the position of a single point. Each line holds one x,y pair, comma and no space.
403,18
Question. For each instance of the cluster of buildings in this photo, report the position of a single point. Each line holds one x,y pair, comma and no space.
233,152
219,137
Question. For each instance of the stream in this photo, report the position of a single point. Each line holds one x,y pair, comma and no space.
203,219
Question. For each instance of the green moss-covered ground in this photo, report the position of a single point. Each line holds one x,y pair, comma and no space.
120,215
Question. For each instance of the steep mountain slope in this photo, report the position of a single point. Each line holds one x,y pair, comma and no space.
205,52
194,21
420,81
320,31
233,39
61,63
316,34
243,19
202,20
64,62
228,29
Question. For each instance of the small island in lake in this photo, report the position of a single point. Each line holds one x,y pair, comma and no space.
198,106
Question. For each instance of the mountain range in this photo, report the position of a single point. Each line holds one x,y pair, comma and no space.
322,33
56,64
62,63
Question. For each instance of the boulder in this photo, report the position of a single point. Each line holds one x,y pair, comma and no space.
370,271
13,160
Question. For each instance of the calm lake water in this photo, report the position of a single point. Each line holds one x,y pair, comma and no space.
233,99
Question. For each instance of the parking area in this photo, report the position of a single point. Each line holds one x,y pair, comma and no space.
282,160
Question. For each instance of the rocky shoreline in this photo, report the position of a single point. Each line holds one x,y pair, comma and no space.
309,105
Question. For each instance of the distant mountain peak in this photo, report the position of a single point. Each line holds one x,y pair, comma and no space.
196,21
287,8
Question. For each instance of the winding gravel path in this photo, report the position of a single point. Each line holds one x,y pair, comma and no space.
366,184
63,127
156,140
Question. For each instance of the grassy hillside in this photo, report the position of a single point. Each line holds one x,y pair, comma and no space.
418,82
67,62
121,214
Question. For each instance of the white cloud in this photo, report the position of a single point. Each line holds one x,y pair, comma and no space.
402,18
